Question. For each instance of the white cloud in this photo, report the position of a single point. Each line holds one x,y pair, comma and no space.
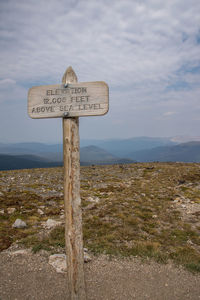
11,92
169,113
145,50
7,82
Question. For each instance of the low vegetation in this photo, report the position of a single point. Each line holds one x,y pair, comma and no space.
150,210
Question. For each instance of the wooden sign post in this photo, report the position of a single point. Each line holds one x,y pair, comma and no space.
73,214
69,101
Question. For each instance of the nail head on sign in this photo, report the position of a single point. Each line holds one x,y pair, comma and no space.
66,114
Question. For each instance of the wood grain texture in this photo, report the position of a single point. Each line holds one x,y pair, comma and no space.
73,214
77,99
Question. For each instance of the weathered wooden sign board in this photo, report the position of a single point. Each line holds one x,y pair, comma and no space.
70,100
74,100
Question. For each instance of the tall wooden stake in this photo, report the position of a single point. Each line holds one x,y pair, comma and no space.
72,201
53,101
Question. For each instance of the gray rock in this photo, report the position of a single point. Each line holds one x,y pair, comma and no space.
90,206
50,223
19,224
11,210
40,211
21,252
94,200
100,186
87,258
58,262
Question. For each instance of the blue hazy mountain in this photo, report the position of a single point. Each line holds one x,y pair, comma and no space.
123,147
97,155
185,152
143,149
118,147
88,155
13,162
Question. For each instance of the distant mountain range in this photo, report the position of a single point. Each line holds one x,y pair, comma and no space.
95,155
17,159
116,151
14,162
185,152
123,147
185,139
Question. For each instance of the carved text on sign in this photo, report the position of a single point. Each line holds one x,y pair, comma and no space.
80,99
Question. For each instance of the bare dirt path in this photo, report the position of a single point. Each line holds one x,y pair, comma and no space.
29,276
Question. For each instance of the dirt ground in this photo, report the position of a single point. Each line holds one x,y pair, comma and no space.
29,276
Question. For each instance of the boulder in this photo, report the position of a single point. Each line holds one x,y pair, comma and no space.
58,262
19,224
40,211
11,210
50,223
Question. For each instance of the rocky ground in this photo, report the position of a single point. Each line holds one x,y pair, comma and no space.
132,215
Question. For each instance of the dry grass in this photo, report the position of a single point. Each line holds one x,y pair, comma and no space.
147,210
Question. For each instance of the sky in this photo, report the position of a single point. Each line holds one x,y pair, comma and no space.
147,51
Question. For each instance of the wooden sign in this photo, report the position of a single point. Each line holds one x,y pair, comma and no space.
72,100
